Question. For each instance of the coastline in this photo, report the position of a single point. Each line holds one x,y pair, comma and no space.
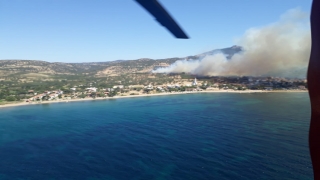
146,95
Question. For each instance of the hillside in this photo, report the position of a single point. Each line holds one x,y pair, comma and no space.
111,68
229,52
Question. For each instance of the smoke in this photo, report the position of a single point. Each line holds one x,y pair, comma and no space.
278,49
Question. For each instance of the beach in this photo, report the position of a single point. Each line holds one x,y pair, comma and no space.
144,95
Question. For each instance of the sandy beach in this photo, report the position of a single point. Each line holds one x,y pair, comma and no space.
144,95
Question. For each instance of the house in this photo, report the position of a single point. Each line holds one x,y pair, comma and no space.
160,89
149,87
91,89
136,86
73,89
109,89
52,96
36,98
46,92
118,86
60,92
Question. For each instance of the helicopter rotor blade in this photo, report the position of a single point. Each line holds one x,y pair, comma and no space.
163,17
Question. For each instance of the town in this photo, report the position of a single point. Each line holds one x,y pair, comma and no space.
177,84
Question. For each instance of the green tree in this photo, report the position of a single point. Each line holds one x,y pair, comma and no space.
44,98
203,87
82,96
102,94
10,98
112,93
93,94
67,91
2,95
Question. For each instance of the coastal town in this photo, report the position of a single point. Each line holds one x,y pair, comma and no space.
33,81
92,90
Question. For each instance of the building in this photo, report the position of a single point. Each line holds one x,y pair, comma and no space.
52,96
194,83
118,86
149,87
91,89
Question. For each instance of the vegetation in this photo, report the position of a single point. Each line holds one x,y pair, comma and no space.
10,98
22,79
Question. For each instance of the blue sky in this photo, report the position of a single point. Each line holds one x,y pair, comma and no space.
105,30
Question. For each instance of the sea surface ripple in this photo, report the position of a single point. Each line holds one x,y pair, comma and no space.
178,137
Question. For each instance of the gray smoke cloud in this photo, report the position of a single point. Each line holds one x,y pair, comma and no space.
278,49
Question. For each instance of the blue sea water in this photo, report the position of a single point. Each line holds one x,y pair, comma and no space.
180,137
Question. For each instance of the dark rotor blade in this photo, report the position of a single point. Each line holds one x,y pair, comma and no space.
163,17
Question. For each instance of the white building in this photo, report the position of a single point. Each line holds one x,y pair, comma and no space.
118,86
52,96
149,87
194,83
92,89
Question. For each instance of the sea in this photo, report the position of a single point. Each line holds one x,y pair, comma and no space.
227,136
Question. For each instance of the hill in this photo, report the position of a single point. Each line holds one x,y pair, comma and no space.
110,68
229,52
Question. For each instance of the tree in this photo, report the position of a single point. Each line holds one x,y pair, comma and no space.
182,88
2,95
203,87
44,98
112,93
10,98
82,96
67,91
60,96
146,90
102,94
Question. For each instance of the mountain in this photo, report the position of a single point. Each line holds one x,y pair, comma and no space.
113,68
228,52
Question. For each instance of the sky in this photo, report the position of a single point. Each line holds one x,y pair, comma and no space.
107,30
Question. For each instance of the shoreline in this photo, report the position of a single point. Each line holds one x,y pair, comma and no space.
146,95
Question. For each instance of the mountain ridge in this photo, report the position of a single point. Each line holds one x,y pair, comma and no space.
142,65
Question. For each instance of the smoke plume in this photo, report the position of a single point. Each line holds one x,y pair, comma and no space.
278,49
